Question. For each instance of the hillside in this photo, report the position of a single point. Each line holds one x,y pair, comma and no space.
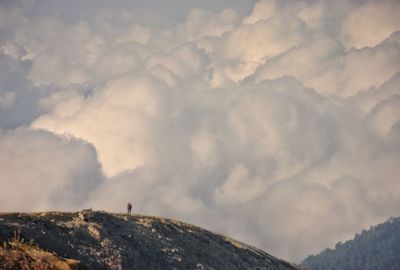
99,240
376,248
17,255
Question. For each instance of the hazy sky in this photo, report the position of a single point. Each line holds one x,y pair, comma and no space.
274,122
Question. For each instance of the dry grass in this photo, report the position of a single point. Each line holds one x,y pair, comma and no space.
18,255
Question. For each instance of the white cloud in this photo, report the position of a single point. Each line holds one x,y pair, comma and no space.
201,23
264,39
118,120
184,62
43,171
386,115
324,65
262,10
371,22
203,145
61,54
239,187
18,98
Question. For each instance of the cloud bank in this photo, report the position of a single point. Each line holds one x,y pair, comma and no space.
279,127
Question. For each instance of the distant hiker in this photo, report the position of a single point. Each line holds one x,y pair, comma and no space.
129,207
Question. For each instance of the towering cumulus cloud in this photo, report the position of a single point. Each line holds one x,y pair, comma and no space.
279,126
43,171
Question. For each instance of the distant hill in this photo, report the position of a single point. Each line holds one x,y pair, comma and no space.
375,249
99,240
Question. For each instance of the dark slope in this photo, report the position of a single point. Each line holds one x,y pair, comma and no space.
375,249
116,241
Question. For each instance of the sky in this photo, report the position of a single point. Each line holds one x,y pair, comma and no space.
274,122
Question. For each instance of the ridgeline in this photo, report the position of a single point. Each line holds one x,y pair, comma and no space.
100,240
373,249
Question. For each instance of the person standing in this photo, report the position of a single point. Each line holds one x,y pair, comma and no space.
129,207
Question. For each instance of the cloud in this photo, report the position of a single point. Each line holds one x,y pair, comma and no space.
371,22
18,97
262,10
41,171
264,39
118,120
325,66
181,63
201,23
279,127
386,115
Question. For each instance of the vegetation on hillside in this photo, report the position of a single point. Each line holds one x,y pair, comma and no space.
20,255
376,248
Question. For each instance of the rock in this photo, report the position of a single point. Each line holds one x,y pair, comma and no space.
101,240
85,214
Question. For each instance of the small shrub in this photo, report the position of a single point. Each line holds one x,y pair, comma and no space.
32,242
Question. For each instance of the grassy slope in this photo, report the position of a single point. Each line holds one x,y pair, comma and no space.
17,255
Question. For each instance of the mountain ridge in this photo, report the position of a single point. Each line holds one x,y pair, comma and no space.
101,240
375,248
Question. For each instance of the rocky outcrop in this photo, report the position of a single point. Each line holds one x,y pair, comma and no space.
100,240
